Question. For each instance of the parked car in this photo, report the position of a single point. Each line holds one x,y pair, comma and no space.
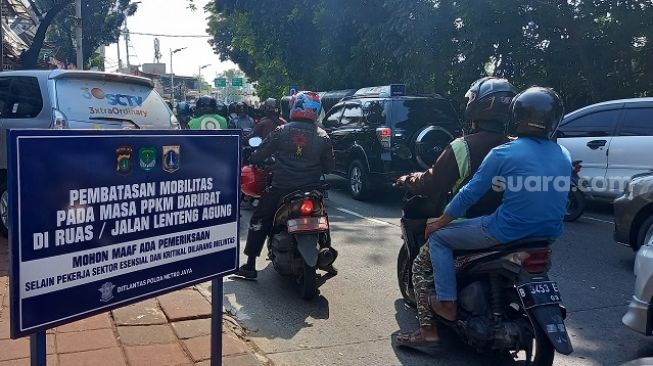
381,133
613,139
640,311
63,99
633,212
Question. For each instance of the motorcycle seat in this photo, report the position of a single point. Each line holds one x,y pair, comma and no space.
513,246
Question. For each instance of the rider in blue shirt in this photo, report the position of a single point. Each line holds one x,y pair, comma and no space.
533,173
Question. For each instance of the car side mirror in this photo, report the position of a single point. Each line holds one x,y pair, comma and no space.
255,141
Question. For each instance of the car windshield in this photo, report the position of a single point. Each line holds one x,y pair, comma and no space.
421,111
99,102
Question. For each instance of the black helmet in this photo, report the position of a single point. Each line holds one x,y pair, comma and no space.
269,106
489,100
206,104
536,112
241,108
222,109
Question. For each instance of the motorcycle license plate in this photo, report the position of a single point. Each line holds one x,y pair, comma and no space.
304,224
542,293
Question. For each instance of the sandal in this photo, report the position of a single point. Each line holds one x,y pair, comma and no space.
430,299
416,341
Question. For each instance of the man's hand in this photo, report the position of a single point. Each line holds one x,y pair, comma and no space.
437,224
401,181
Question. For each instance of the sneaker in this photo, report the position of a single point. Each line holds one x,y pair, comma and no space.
246,273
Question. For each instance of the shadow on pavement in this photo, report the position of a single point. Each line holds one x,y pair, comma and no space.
244,298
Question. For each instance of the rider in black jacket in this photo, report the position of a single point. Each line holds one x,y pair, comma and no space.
302,153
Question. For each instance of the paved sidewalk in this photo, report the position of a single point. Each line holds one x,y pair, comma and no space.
172,329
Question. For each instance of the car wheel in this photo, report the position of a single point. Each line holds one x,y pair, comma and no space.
645,235
4,209
359,181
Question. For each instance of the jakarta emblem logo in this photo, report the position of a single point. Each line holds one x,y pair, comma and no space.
147,158
171,155
107,292
124,160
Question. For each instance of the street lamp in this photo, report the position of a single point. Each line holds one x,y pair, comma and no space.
172,74
199,75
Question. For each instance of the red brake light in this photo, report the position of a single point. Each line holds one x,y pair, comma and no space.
538,261
306,208
384,134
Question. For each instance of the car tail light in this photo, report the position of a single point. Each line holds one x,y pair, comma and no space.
533,261
59,120
306,208
384,135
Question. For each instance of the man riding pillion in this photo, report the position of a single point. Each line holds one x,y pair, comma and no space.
302,153
487,108
207,115
268,123
526,210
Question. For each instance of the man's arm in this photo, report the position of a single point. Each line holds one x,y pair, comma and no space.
437,180
267,148
480,184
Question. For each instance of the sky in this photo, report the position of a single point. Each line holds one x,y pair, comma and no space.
169,17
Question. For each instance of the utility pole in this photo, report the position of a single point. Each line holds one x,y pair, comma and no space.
172,75
80,35
127,45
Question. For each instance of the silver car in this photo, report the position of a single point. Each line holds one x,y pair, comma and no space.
65,99
640,311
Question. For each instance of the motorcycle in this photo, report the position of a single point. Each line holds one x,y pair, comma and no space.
577,201
253,180
507,305
300,240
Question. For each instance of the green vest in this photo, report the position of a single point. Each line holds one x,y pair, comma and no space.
208,122
463,159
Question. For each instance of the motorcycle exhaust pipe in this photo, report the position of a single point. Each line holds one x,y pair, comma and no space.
326,257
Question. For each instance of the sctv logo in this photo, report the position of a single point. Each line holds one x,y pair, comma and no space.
113,99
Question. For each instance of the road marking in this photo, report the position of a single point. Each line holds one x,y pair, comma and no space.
599,220
363,217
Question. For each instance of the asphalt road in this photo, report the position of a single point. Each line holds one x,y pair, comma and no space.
351,321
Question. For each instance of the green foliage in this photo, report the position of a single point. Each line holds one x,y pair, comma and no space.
101,21
589,51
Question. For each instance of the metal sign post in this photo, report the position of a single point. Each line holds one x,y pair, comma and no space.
143,213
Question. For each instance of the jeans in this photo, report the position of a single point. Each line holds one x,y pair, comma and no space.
466,234
262,219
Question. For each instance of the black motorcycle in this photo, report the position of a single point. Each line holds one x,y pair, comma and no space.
507,305
300,241
577,200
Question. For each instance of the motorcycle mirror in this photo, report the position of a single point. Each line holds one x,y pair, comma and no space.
255,141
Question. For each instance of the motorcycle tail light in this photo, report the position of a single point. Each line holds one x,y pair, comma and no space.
534,261
306,208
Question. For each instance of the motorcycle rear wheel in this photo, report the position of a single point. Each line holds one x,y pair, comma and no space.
542,354
404,277
308,282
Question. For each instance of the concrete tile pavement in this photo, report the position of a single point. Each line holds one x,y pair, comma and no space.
173,329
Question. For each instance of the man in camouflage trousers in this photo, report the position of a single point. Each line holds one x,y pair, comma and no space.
487,109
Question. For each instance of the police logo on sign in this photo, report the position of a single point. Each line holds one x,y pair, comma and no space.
171,158
107,292
124,160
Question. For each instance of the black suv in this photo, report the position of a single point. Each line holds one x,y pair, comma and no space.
380,134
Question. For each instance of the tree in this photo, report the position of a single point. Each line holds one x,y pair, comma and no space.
589,51
101,21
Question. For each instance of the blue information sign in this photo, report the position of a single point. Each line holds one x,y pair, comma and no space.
101,219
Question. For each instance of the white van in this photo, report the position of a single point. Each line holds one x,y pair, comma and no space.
65,99
613,139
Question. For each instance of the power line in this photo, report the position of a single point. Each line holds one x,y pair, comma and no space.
171,35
